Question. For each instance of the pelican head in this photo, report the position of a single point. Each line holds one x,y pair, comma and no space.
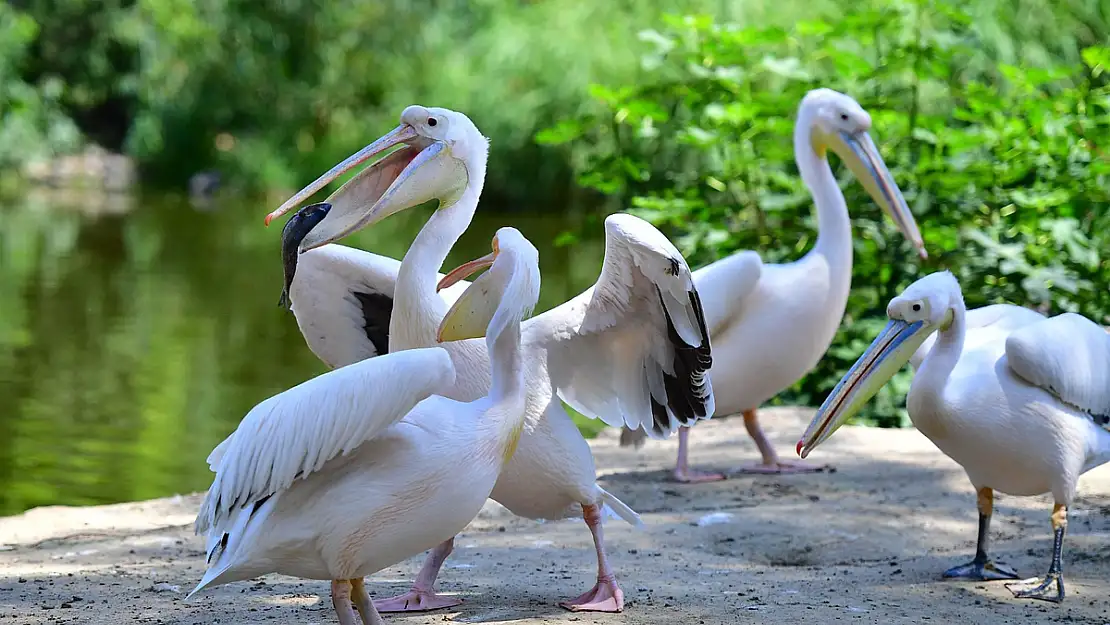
299,225
838,122
924,307
503,295
441,151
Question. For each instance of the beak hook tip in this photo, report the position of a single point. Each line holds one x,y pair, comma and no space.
799,449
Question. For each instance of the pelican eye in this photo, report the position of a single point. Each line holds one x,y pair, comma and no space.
917,307
844,116
432,121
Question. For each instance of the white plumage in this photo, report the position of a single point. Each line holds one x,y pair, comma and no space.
1068,356
296,432
366,465
770,324
1018,400
616,360
633,358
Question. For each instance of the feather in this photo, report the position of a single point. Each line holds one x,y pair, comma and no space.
639,354
1067,356
276,444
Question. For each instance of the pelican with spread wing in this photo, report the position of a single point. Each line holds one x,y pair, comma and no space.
1021,402
632,350
364,466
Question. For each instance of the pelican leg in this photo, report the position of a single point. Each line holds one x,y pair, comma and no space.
771,463
606,595
423,596
341,600
682,471
1051,588
982,568
365,607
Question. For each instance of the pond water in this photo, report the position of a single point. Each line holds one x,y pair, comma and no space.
136,333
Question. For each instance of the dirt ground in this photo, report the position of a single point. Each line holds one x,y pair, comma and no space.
864,543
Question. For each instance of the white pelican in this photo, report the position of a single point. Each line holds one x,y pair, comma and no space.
364,466
632,350
771,324
1018,400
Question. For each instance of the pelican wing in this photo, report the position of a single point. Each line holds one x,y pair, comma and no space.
1068,356
342,298
634,350
294,433
988,324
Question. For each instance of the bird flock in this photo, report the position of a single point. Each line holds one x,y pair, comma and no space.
445,392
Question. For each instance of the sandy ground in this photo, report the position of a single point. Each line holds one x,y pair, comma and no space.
864,543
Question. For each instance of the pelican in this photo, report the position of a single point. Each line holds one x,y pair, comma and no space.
364,466
632,350
1020,401
771,324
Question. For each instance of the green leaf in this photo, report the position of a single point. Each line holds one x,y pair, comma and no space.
1097,59
563,132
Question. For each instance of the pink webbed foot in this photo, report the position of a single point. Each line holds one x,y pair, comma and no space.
686,475
781,467
605,596
416,601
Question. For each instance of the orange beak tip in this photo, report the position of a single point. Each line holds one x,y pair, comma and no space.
268,219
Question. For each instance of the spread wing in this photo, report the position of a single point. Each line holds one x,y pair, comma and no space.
342,298
633,350
1068,356
296,432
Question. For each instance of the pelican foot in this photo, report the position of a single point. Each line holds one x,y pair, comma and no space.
981,571
779,467
694,476
1050,589
605,596
416,601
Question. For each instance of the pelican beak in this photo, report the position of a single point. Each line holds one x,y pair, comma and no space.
468,269
419,171
892,349
472,313
859,153
464,270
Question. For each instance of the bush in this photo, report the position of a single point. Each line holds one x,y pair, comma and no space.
32,122
1005,167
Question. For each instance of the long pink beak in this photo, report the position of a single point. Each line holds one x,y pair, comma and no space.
400,134
466,269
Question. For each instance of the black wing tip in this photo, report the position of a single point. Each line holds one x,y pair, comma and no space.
687,388
377,311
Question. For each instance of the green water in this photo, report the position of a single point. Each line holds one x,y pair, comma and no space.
135,335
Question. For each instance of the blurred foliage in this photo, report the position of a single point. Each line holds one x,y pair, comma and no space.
32,121
1004,166
272,92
